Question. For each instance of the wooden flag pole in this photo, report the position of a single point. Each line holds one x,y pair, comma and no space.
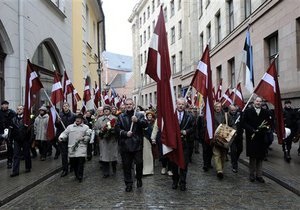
244,107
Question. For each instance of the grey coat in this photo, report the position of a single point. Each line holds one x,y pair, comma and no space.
40,127
108,146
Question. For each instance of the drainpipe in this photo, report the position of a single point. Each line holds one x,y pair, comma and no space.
21,52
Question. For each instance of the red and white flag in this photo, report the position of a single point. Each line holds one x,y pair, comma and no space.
75,99
86,95
268,88
67,86
32,87
56,97
219,91
237,96
226,99
159,69
97,95
202,82
105,97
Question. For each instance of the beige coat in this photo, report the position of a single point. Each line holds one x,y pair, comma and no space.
75,133
108,147
40,127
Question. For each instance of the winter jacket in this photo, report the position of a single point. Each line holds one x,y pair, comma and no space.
40,127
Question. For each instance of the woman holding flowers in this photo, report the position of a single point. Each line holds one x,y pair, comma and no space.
105,128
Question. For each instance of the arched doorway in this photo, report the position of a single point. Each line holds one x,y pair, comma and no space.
2,57
47,58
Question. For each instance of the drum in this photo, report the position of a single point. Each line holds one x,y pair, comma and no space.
224,135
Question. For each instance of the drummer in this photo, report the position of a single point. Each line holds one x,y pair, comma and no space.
219,153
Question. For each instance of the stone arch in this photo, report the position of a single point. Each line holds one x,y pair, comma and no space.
5,41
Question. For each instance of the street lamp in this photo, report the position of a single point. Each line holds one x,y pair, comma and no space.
99,81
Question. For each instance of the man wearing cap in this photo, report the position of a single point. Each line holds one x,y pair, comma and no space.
40,131
77,135
130,128
6,116
290,121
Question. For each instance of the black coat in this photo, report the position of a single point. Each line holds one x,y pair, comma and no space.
20,133
188,124
67,119
135,142
256,146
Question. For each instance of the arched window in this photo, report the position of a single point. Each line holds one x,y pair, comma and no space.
45,57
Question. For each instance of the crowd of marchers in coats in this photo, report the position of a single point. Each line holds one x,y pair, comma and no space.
110,133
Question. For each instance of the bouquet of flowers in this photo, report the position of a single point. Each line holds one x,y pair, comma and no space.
263,126
76,145
109,129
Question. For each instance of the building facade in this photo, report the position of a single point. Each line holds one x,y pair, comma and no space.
88,44
191,25
36,30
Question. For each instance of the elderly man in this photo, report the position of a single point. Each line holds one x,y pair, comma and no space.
256,122
186,123
40,131
130,128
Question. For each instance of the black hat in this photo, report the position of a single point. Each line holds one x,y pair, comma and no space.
79,116
4,102
287,102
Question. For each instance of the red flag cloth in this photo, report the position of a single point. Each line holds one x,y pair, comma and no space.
105,97
56,97
159,69
86,95
97,95
67,86
32,87
237,96
219,92
268,88
75,99
226,99
202,82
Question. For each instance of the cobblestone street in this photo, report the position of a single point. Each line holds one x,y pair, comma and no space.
204,191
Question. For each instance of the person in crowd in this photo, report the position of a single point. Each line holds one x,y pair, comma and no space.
122,108
114,111
89,120
130,128
105,129
290,121
270,136
148,164
186,123
236,146
6,116
99,112
196,139
40,131
78,135
256,125
220,153
53,142
21,137
66,118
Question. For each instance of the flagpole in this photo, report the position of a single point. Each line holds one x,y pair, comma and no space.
188,90
245,107
224,93
54,108
137,101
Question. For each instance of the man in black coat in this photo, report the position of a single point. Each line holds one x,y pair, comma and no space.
187,124
131,143
256,123
21,138
67,118
6,116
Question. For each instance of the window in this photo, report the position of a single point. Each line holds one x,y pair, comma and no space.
180,61
144,16
173,35
173,59
219,74
231,72
179,29
207,3
298,43
208,34
140,22
60,4
272,42
149,32
141,40
155,97
146,99
172,6
201,43
148,12
144,37
218,27
158,3
142,100
150,98
179,4
153,25
2,81
87,20
175,93
231,15
247,8
145,56
141,59
153,5
200,8
166,14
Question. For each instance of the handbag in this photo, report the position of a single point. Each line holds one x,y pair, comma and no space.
224,134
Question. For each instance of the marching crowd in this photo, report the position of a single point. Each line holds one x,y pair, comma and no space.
133,135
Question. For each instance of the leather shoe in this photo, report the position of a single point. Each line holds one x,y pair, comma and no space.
27,170
205,168
252,178
64,173
220,175
105,176
174,186
183,187
128,188
14,174
260,179
79,179
139,183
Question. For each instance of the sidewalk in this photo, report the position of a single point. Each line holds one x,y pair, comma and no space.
275,168
11,187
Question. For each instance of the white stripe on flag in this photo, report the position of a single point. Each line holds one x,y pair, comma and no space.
154,42
158,67
56,86
68,82
248,82
227,98
270,79
86,87
202,67
33,75
209,120
238,94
